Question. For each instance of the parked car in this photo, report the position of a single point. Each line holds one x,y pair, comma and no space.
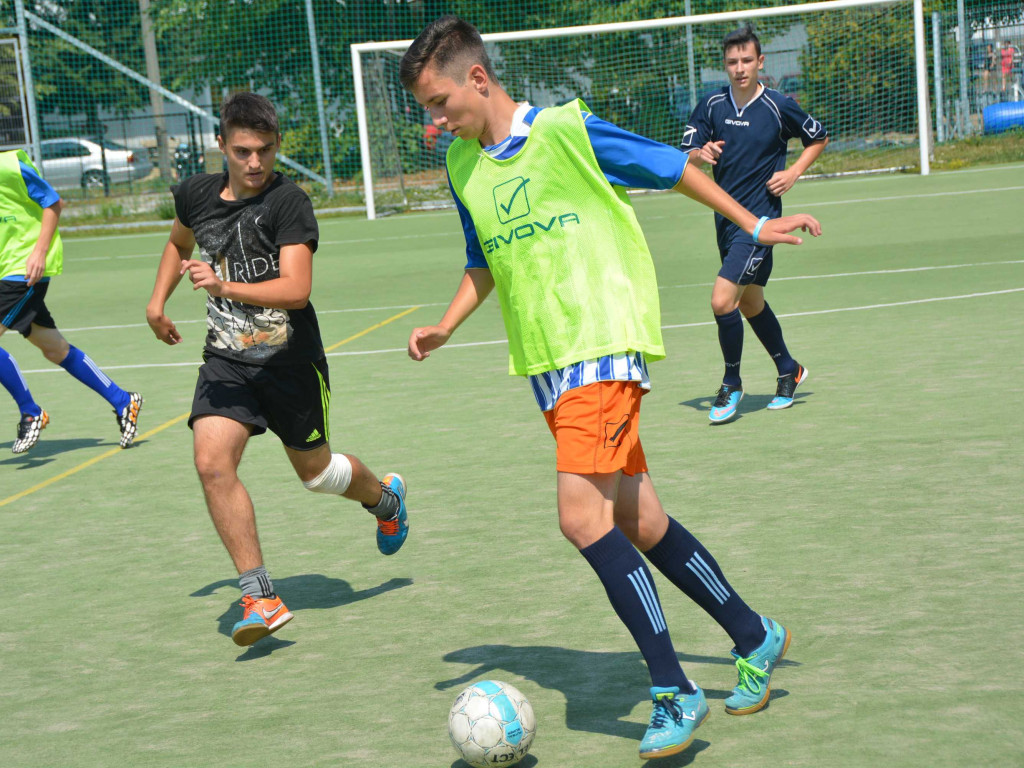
792,86
73,162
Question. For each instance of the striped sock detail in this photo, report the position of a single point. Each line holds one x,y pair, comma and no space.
645,592
96,370
708,578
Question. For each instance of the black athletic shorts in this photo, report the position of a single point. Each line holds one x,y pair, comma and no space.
292,401
22,304
746,264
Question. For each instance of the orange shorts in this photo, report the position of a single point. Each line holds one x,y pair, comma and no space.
597,429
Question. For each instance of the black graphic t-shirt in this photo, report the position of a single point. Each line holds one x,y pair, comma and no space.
242,239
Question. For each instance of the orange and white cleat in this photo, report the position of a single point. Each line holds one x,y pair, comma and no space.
263,616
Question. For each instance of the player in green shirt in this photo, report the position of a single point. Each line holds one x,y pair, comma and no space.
563,248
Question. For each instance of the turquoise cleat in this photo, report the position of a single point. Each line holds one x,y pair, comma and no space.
391,534
675,718
786,387
726,401
752,691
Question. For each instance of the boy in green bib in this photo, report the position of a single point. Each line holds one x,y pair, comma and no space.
541,194
31,253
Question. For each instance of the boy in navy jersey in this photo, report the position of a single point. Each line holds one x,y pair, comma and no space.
742,131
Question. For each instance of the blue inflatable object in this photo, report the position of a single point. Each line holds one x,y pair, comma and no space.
1003,116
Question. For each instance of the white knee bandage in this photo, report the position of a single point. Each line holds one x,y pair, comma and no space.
335,479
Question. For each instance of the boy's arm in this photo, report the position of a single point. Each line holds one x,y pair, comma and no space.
177,251
289,291
698,186
475,286
36,263
782,181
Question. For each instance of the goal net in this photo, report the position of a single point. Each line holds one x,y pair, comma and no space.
857,66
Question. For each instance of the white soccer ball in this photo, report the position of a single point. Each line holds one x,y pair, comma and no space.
491,723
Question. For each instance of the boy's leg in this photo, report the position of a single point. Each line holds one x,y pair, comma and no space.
760,642
768,330
725,301
684,560
345,475
596,431
57,350
218,445
33,418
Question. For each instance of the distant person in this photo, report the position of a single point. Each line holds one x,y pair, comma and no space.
743,131
264,365
31,252
1006,59
989,66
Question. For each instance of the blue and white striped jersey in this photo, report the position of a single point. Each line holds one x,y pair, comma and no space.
627,160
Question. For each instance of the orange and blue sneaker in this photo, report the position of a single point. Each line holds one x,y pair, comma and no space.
752,691
128,419
391,533
262,616
726,401
786,388
675,718
28,431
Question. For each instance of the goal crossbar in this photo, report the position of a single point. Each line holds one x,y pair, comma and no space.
921,70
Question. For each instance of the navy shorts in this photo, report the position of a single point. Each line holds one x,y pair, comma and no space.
292,401
746,264
22,304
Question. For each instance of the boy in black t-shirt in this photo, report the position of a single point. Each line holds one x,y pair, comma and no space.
264,365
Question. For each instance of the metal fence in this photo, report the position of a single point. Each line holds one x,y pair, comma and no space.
145,77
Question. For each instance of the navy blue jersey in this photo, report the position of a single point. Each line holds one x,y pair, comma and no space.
755,148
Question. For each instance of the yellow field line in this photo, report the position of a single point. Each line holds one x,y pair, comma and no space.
372,328
90,462
171,423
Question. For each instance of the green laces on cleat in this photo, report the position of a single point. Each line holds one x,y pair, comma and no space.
755,671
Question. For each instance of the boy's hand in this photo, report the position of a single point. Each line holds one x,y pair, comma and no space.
781,182
202,276
423,341
711,151
34,268
163,327
775,231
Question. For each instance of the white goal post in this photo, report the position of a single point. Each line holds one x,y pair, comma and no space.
392,155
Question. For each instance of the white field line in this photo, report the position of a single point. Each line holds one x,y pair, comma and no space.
660,287
664,327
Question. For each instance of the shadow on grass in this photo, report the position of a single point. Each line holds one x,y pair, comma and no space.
306,592
748,404
44,451
527,762
600,688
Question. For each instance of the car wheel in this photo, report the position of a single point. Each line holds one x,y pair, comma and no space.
92,180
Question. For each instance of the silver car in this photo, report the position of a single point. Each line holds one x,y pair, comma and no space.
74,162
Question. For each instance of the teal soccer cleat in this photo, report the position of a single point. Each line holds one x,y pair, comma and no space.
675,718
391,534
786,388
752,691
726,401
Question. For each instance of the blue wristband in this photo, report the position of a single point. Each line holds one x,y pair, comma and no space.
757,229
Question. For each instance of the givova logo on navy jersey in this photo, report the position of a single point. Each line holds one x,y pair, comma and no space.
512,204
811,127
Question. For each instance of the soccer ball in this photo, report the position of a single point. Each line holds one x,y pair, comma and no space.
491,723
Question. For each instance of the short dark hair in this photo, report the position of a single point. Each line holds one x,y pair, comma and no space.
248,110
741,37
448,44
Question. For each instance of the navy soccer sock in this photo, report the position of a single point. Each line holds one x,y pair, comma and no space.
81,366
10,377
730,337
688,565
632,594
766,327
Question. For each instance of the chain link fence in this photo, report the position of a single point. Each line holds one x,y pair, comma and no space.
119,98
